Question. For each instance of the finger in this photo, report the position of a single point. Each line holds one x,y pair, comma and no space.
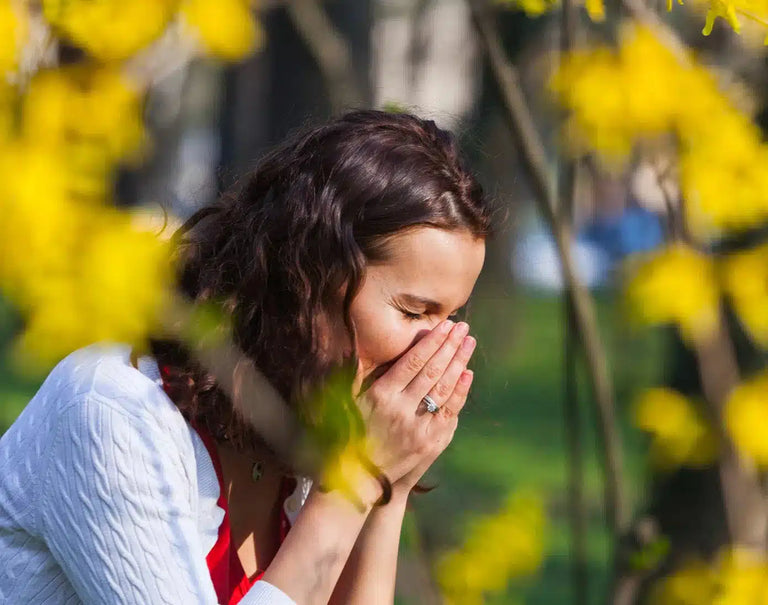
434,369
446,384
414,360
458,398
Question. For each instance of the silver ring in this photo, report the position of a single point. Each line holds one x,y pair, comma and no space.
432,406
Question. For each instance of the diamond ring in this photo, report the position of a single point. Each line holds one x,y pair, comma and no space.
431,404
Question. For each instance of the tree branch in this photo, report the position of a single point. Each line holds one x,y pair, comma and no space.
331,52
535,163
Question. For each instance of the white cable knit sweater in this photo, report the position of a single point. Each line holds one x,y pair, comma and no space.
107,495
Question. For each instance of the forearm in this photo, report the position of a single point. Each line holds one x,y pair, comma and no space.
369,576
310,560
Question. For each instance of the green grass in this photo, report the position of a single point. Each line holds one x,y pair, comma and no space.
511,433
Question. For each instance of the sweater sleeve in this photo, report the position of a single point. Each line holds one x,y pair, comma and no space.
118,515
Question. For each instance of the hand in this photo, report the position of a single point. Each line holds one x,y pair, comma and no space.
405,439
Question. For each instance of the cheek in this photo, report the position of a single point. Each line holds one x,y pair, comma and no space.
383,338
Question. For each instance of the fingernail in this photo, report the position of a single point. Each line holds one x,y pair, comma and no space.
462,328
468,344
466,376
446,326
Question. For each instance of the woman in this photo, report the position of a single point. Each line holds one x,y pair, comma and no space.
132,479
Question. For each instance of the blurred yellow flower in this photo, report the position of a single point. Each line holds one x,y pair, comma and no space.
642,100
79,272
723,170
675,285
227,29
654,95
497,548
595,9
745,279
40,229
746,418
736,577
694,583
84,105
680,434
110,30
743,578
13,33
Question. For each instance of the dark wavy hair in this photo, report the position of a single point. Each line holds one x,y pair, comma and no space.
277,249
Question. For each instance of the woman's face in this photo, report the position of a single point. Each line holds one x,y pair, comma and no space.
428,276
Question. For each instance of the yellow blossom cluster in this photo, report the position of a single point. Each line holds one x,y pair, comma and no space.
535,8
113,30
679,285
675,285
746,418
730,10
645,93
13,33
745,281
736,577
497,548
680,434
78,270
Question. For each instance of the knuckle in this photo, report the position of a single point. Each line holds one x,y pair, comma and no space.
433,371
442,390
414,362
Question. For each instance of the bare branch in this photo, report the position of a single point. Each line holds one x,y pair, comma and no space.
330,50
535,163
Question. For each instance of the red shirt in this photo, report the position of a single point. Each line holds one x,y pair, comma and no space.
229,579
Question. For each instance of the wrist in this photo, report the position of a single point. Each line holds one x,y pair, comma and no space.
347,477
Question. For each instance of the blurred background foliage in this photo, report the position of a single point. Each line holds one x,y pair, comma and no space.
614,446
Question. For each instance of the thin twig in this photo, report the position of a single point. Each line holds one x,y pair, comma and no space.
568,173
331,52
534,161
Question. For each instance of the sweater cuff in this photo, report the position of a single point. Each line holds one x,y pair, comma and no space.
264,593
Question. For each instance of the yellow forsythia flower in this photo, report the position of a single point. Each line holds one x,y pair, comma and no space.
226,28
743,578
41,228
110,29
595,9
694,583
96,107
721,8
723,162
642,100
79,272
112,288
13,33
745,278
497,548
746,418
675,285
736,577
680,434
723,170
